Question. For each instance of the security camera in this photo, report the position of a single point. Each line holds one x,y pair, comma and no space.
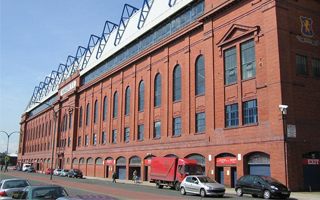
283,108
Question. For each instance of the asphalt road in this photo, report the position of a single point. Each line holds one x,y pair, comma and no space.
101,189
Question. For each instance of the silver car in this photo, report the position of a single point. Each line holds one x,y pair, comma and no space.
203,185
10,186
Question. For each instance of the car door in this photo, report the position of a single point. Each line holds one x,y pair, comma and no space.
196,185
257,185
187,184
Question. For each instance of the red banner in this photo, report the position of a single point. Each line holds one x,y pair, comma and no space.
311,161
147,162
226,161
108,162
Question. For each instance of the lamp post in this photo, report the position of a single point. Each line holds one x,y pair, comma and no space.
8,135
55,117
284,111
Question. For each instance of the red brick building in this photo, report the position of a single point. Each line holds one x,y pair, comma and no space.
204,81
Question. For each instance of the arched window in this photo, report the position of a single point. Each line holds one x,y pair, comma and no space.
95,114
200,75
177,83
80,117
127,103
88,114
141,96
104,112
157,90
115,105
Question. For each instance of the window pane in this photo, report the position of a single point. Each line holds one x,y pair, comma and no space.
231,115
250,112
301,64
140,132
141,96
104,137
157,130
114,136
230,65
157,90
200,122
80,118
87,114
200,76
248,60
94,138
126,134
315,67
127,103
177,83
115,105
95,115
177,126
105,103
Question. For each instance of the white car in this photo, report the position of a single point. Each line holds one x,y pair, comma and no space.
25,167
10,186
57,172
203,185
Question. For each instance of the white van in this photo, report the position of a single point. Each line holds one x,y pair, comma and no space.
25,167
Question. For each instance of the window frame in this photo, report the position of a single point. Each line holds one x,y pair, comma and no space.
229,112
200,83
157,90
174,129
198,128
254,118
176,83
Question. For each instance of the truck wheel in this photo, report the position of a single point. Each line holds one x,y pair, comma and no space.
183,191
177,186
159,186
202,193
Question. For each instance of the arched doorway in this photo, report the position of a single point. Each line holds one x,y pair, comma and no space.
311,171
75,163
147,167
90,167
109,163
134,165
171,156
121,169
201,160
82,166
226,169
258,163
99,169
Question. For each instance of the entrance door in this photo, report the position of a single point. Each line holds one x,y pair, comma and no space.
121,172
220,175
107,171
233,176
131,170
311,175
146,172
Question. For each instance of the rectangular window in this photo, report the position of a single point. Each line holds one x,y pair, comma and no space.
157,130
250,112
140,132
114,136
176,126
126,134
200,122
231,115
248,60
301,65
86,140
94,139
230,65
69,141
315,63
104,137
70,121
79,141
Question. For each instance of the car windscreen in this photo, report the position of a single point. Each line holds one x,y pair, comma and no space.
205,179
193,169
49,193
15,184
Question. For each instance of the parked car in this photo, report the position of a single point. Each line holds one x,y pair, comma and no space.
261,186
25,167
9,186
203,185
75,173
49,171
57,172
31,169
41,192
64,172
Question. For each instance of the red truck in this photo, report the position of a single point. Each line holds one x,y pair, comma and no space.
170,171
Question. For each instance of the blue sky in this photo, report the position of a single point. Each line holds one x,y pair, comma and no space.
35,37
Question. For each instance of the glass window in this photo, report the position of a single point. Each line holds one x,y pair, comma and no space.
80,117
177,126
177,83
114,136
157,130
94,139
301,64
127,103
86,140
105,106
87,114
200,122
79,141
248,60
69,141
95,115
104,137
250,112
157,90
115,105
70,120
231,115
126,134
230,65
200,75
141,97
315,63
140,132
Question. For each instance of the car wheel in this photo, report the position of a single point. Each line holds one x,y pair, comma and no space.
177,186
159,186
183,191
266,194
239,192
202,193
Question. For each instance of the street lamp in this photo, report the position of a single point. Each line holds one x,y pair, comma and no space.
9,135
55,116
284,112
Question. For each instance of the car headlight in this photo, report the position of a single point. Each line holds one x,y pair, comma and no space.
274,187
